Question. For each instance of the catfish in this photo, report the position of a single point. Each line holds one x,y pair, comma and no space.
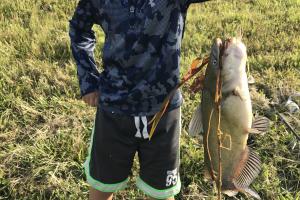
240,164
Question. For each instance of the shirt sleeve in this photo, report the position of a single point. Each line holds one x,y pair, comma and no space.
186,3
82,44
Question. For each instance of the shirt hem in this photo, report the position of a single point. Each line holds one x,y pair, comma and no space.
156,109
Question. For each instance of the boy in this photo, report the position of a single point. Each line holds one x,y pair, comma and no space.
141,66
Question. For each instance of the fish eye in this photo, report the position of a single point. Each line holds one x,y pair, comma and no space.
214,62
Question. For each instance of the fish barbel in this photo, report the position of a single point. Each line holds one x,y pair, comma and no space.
240,165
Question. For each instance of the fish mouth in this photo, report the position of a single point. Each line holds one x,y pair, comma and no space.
219,42
221,49
237,44
228,42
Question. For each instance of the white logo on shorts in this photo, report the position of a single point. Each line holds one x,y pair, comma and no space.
172,177
151,3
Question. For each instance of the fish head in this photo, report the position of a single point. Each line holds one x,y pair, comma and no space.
234,58
228,57
213,65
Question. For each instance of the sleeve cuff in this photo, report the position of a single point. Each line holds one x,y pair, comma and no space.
88,84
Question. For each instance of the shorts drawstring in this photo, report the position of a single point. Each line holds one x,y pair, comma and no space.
145,133
137,126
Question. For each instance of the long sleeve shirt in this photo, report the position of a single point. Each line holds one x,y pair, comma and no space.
140,54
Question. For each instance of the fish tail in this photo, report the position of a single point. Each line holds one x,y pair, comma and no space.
248,191
252,193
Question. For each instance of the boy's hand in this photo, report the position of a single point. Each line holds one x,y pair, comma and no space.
91,98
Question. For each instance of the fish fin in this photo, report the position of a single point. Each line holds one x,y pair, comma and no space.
207,175
230,193
252,193
196,126
260,125
237,92
249,171
253,131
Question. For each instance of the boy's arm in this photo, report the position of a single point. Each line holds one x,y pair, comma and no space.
82,44
188,2
196,1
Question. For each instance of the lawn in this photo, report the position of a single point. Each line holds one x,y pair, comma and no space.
45,128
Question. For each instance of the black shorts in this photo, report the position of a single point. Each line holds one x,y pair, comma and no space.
116,139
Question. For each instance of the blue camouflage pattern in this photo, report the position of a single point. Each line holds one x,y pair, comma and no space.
140,54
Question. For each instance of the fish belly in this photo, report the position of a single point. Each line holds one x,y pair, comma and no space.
236,118
238,113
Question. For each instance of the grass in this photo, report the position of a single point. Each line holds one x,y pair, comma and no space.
45,128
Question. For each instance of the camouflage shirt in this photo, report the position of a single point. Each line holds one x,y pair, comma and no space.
140,53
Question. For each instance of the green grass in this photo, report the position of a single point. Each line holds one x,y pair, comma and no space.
45,128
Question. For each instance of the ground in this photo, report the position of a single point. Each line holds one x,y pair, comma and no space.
45,128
